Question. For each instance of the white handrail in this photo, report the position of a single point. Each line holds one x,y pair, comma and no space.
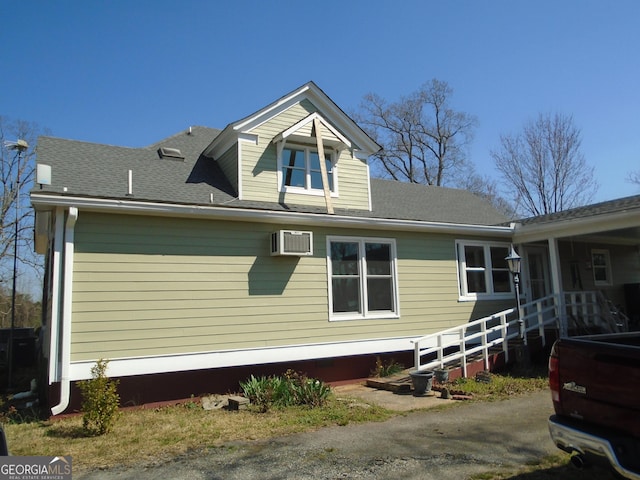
457,344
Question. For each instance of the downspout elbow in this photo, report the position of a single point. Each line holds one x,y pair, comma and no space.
65,353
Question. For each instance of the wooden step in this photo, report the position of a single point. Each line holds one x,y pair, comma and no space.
396,383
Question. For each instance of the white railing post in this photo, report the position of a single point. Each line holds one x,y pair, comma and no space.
540,322
561,314
463,352
485,349
504,331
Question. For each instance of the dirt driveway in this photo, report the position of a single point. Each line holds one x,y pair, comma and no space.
442,444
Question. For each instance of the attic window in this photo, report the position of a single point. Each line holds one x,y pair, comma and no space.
166,152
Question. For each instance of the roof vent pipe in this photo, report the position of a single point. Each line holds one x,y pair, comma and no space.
130,183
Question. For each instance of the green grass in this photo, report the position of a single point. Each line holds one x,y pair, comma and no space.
170,431
163,433
500,386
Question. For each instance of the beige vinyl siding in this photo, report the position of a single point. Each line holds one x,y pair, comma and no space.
228,162
260,173
152,286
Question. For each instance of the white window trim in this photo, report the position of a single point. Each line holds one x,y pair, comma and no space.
365,315
464,294
607,267
280,146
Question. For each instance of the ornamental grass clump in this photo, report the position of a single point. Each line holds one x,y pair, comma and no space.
388,369
291,389
100,401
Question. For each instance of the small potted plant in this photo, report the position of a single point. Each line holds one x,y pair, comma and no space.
422,382
441,374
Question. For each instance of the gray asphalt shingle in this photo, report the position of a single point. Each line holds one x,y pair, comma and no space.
101,171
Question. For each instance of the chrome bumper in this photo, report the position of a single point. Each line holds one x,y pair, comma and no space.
571,440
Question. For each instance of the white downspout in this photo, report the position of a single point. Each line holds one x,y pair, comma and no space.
54,324
65,350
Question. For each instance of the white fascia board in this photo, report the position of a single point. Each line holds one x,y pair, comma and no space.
576,226
124,367
262,115
331,112
230,134
265,216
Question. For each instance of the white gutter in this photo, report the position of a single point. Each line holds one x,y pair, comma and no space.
267,216
65,351
54,323
577,226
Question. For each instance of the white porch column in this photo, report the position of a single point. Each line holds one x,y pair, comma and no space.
556,283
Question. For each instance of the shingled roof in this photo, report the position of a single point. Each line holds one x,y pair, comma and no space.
618,205
98,171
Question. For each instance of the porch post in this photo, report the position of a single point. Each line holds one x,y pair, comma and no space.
556,284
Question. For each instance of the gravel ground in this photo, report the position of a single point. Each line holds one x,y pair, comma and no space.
450,444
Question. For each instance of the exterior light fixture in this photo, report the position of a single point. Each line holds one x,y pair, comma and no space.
514,261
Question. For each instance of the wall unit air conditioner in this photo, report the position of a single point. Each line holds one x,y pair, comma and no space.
292,242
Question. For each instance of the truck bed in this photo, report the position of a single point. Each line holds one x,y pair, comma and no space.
595,387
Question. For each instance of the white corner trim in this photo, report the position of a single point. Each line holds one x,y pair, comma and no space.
125,367
369,187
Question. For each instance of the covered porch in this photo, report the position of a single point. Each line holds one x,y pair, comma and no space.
589,249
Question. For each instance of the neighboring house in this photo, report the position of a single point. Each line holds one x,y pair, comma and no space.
211,255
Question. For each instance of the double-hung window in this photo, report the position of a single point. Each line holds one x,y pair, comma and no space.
600,263
301,170
362,278
483,271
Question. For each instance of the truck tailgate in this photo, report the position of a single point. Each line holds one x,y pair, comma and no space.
600,381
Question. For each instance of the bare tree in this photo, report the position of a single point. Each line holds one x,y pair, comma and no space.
634,177
423,139
17,172
487,188
544,168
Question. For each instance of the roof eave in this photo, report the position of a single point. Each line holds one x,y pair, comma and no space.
576,226
44,201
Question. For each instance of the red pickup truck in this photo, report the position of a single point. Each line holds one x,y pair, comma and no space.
595,388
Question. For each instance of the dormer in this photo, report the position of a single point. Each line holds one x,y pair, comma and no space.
273,155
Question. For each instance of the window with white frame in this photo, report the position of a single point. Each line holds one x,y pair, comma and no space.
362,278
483,271
601,265
301,169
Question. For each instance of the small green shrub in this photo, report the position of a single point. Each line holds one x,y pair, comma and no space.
291,389
259,391
386,370
100,401
307,391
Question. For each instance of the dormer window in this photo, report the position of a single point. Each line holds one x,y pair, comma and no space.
301,170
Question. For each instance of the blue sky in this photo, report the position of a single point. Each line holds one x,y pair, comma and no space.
130,73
